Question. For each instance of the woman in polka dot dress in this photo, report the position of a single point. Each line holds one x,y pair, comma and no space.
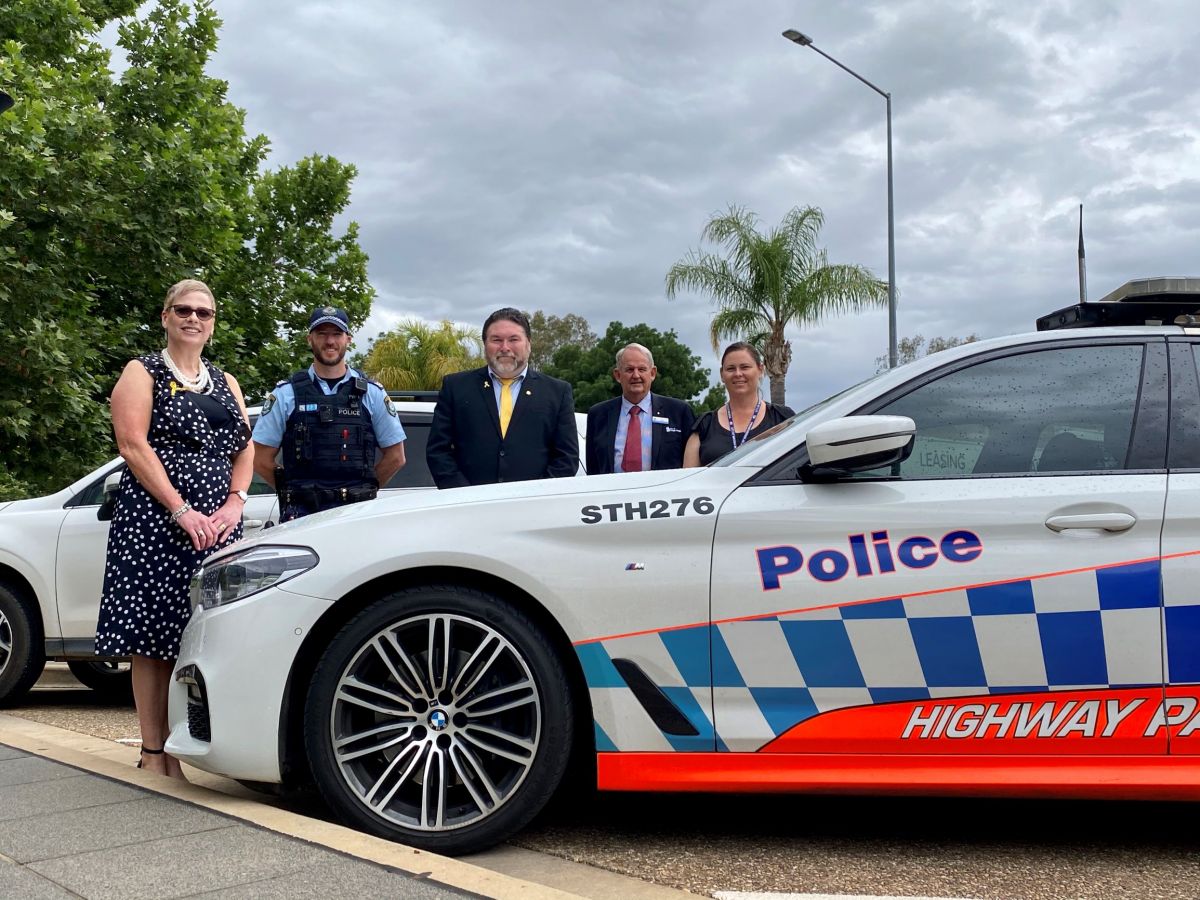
181,427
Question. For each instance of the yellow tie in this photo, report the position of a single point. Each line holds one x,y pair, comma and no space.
505,404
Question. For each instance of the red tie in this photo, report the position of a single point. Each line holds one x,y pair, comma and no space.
631,459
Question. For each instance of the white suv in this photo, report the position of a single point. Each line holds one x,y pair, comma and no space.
52,563
974,574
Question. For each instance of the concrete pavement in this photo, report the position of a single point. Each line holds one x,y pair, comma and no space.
68,833
78,820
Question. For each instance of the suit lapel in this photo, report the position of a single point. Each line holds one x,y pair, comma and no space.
608,436
655,442
489,394
529,388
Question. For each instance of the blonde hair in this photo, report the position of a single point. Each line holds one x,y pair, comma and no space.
187,286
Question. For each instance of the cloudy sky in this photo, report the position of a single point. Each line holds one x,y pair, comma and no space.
562,155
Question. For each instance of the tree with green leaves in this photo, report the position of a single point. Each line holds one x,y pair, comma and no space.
764,283
52,207
714,399
290,261
551,333
416,356
589,371
910,348
111,190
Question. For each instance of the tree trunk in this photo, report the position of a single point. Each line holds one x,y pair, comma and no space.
777,356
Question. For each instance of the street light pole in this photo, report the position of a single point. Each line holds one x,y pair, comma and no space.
804,40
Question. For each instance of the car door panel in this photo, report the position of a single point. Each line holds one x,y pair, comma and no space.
82,548
1181,556
1009,610
944,590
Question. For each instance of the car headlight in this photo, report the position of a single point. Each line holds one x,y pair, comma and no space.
240,575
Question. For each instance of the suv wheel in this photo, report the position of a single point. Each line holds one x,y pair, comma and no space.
110,678
22,655
439,717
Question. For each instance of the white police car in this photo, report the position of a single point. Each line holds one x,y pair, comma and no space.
974,574
52,563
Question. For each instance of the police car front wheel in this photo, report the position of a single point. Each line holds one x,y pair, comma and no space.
440,717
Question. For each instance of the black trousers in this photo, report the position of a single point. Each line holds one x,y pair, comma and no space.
295,508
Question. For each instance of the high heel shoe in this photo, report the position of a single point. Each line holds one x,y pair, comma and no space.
158,752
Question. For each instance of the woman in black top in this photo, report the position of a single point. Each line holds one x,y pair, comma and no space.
742,371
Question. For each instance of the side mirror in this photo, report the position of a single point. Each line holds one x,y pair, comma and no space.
857,444
112,487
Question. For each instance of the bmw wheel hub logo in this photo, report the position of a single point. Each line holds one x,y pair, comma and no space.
438,720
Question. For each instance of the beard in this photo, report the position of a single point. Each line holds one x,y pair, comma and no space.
506,366
329,356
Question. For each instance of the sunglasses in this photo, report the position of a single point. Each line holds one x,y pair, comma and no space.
203,313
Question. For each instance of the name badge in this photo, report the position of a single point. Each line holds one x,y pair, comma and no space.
308,407
660,420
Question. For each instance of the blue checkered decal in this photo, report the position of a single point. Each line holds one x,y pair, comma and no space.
1081,630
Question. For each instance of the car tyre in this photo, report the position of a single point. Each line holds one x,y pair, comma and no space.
22,652
110,678
440,717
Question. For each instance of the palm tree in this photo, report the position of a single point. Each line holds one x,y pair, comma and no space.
416,355
764,283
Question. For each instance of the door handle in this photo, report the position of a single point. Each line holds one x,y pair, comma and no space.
1096,521
253,523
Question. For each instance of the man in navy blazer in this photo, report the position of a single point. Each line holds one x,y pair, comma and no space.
620,440
504,422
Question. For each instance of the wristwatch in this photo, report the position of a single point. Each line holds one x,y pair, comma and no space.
241,494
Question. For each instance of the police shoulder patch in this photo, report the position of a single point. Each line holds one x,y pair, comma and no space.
390,407
267,404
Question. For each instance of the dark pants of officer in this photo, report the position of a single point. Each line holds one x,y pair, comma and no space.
294,507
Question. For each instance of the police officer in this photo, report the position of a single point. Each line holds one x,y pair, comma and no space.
329,420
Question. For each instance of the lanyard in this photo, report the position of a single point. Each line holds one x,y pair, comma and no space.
733,438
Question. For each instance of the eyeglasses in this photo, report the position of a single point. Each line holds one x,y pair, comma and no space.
203,313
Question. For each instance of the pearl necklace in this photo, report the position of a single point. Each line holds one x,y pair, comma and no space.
201,384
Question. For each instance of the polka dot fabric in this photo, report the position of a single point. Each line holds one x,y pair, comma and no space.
150,560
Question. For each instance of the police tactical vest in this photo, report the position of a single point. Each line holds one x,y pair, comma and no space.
329,441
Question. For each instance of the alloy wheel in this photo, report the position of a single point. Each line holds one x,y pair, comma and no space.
6,641
436,722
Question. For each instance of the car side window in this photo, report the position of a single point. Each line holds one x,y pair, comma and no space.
415,473
258,487
1066,409
93,494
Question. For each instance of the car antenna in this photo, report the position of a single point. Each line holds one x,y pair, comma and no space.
1082,262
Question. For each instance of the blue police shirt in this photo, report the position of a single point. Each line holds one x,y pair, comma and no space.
272,421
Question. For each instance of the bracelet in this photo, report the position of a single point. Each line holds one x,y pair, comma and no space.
178,514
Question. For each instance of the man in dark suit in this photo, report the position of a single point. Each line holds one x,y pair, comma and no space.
504,422
622,440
